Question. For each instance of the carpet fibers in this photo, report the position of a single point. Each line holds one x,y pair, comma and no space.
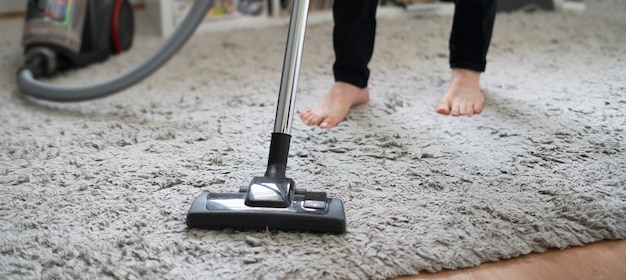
101,189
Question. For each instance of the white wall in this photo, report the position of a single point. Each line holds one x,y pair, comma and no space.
12,6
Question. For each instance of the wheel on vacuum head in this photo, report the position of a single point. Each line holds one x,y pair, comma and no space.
122,26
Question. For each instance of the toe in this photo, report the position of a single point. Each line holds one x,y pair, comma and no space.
326,124
456,110
316,120
311,117
443,108
478,108
305,116
462,110
469,110
330,122
306,119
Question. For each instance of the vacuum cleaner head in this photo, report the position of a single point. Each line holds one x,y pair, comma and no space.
268,204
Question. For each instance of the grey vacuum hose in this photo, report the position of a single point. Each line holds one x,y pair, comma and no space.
28,85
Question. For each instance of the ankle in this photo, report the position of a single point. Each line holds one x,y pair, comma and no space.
465,77
347,86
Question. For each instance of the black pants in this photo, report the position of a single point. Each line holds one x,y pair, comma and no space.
355,29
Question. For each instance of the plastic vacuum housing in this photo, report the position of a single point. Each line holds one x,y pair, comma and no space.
61,34
98,29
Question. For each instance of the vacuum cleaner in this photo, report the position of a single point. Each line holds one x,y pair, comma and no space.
272,201
65,34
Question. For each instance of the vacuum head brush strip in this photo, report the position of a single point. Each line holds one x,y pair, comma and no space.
229,210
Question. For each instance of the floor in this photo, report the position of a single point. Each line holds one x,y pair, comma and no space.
602,260
599,261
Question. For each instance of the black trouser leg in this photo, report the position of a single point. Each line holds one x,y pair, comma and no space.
471,33
353,40
355,29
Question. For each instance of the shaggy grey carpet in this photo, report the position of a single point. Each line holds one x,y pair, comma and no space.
100,189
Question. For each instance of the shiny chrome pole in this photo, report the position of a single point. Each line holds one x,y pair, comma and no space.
291,66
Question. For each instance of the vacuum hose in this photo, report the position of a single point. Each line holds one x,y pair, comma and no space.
27,83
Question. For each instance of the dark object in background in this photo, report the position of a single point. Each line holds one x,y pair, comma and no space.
525,5
62,19
504,5
63,34
250,7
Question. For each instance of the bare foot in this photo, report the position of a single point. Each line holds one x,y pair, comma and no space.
464,97
335,106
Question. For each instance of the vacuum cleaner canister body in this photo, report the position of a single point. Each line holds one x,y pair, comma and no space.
62,34
75,33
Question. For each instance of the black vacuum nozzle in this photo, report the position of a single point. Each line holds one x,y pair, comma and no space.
269,202
304,213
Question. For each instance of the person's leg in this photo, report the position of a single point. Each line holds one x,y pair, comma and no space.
353,43
469,41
